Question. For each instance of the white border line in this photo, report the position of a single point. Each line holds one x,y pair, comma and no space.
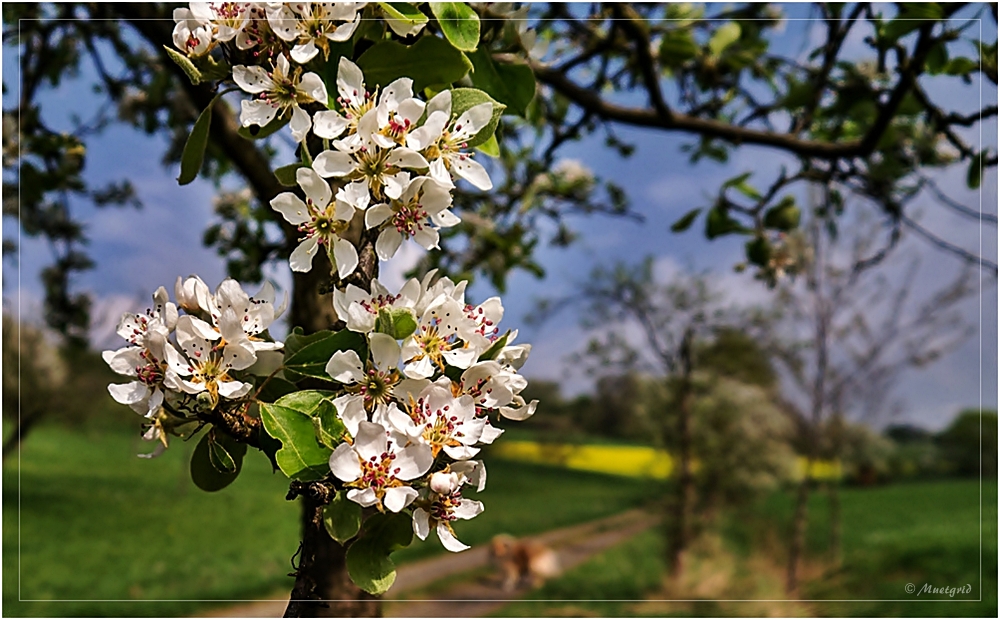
913,600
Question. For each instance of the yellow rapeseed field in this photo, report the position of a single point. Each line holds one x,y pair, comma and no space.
633,461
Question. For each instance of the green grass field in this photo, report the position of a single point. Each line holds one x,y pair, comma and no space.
909,533
97,523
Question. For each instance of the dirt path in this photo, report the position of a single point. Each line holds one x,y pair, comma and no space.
411,596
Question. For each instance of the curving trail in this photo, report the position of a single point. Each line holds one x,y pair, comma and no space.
422,588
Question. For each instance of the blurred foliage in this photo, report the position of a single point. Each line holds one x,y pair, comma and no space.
971,439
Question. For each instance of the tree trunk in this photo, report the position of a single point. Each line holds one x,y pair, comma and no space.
21,428
833,497
322,585
679,533
798,538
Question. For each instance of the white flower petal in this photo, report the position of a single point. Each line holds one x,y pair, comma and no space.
129,393
346,256
314,186
346,367
234,389
406,158
256,113
344,463
351,411
387,243
333,164
304,52
313,86
302,257
448,539
468,509
413,461
473,172
252,79
365,497
385,351
300,124
421,523
329,124
397,498
371,441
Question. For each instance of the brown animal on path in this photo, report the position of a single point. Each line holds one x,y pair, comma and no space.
522,561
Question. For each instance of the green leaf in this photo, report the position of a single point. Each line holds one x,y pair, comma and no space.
937,58
194,149
255,132
975,177
464,98
511,84
404,18
719,223
311,359
220,458
961,66
368,561
286,174
276,388
758,251
783,216
740,184
328,426
302,456
212,71
185,64
431,60
396,322
723,37
296,340
912,15
216,461
491,147
318,405
342,518
685,222
459,23
677,47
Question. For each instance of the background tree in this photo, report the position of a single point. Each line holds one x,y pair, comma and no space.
848,331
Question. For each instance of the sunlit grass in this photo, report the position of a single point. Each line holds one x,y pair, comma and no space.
99,523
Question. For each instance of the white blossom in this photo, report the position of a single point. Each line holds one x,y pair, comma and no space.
205,365
443,505
359,309
369,385
376,468
443,141
322,220
279,91
192,32
425,201
312,25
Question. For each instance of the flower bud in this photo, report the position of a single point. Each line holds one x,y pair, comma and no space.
444,483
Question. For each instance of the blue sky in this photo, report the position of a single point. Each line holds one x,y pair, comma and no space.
136,251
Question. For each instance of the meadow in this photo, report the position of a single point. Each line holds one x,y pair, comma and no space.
924,532
101,532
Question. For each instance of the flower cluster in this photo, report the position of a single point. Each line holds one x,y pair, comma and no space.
181,364
426,400
396,171
418,399
393,158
